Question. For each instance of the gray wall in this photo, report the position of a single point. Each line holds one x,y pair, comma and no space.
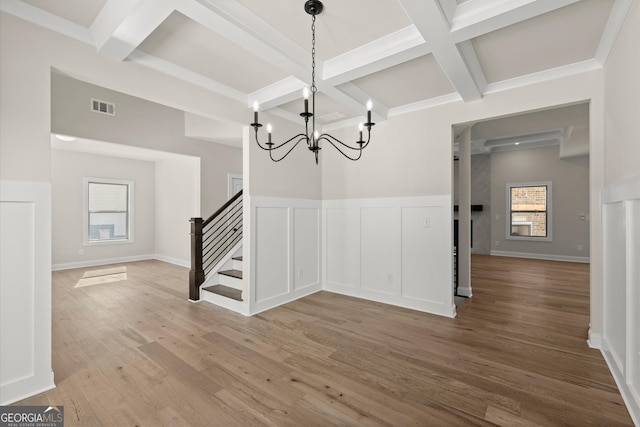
143,124
68,168
480,195
570,179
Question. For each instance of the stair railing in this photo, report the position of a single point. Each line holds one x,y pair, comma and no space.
212,239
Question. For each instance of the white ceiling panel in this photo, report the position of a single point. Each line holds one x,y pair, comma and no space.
565,36
327,110
190,45
341,27
403,54
81,12
414,80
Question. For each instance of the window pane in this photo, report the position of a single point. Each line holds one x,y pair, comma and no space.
532,224
108,197
107,226
529,210
108,211
529,198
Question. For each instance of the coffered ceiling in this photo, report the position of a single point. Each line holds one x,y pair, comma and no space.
405,55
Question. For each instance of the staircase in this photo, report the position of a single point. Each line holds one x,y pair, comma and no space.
216,258
225,287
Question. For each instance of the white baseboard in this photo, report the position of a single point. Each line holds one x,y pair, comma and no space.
630,400
431,307
171,260
594,340
107,261
548,257
465,292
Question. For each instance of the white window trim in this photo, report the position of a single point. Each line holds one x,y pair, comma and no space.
549,237
85,211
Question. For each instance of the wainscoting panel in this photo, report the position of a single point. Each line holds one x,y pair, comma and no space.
306,247
621,290
615,277
272,253
392,250
284,251
379,228
342,246
633,306
421,226
25,290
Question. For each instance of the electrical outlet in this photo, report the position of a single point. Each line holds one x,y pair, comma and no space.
300,274
81,252
390,279
497,217
497,242
579,248
426,222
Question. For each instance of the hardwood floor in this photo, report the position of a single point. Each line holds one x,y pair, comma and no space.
136,352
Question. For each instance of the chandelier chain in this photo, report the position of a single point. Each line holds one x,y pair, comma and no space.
313,55
310,136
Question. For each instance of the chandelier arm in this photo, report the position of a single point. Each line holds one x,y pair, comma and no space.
300,135
303,137
324,136
329,138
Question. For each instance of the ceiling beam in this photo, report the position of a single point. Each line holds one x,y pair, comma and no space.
123,25
459,63
386,52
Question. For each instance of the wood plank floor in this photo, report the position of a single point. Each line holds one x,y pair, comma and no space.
137,353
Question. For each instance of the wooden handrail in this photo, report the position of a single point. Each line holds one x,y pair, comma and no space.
222,208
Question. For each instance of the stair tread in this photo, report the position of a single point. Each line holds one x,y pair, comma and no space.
237,258
232,273
225,291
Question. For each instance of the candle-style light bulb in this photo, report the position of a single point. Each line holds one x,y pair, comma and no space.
369,107
269,128
361,128
305,95
255,111
316,135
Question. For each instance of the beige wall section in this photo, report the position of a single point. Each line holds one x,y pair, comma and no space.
143,124
296,177
570,180
622,102
68,169
25,154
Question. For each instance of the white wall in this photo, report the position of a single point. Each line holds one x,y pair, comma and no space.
177,190
621,223
282,219
570,180
67,170
284,250
390,250
25,290
410,156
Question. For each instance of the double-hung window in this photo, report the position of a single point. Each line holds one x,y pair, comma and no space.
108,210
529,211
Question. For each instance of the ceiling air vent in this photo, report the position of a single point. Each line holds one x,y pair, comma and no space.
103,107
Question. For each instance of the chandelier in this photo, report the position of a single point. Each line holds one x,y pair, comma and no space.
311,136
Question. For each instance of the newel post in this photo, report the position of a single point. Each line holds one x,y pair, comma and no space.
196,275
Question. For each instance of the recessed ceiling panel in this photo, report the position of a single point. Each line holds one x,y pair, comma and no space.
343,25
409,82
81,12
192,46
566,36
327,110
